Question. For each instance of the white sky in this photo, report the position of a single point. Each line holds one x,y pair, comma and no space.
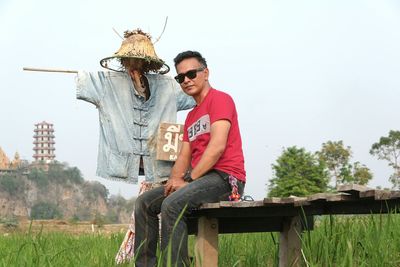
301,72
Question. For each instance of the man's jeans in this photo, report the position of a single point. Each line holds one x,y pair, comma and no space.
212,187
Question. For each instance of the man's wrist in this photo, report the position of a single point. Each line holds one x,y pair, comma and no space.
188,179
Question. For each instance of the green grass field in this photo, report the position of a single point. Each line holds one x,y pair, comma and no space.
336,241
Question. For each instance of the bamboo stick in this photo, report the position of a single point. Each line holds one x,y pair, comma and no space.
50,70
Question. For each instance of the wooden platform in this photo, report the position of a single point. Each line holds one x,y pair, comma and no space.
289,216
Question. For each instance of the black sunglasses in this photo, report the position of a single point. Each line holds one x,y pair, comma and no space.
191,74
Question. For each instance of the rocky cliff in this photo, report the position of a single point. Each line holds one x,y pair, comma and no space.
59,191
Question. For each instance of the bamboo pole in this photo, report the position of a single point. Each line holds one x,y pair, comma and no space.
50,70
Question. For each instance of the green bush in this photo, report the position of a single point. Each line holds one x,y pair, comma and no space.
39,177
99,220
112,216
83,214
12,184
59,173
130,204
74,175
92,190
44,210
56,173
10,223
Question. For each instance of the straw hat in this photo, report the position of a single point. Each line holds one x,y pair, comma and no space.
137,45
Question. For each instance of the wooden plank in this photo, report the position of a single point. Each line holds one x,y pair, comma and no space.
280,201
319,197
261,211
355,206
210,206
395,195
273,200
301,202
368,194
295,201
290,243
383,194
206,247
169,141
330,197
226,203
353,189
233,204
340,197
377,194
247,204
241,225
361,206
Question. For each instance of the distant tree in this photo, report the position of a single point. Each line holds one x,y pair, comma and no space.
116,204
12,184
74,175
56,173
298,173
130,204
93,189
59,173
99,220
361,174
83,214
117,201
39,177
111,216
336,156
341,171
388,148
46,211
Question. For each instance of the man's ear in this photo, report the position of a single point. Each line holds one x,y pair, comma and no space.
206,72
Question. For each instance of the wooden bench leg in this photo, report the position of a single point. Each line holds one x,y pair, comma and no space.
290,243
206,247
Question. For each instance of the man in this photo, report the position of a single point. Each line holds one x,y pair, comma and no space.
132,101
212,149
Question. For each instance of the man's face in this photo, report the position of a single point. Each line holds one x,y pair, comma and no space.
192,85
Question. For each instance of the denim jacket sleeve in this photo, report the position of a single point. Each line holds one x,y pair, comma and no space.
90,86
183,101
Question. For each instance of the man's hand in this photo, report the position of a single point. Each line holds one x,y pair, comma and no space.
181,165
173,184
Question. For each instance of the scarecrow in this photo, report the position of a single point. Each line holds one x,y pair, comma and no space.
132,99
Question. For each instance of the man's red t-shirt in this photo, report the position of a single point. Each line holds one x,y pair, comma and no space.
216,106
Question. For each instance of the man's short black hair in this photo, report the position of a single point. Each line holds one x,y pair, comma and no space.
190,54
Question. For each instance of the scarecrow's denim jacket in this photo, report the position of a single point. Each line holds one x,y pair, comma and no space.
129,124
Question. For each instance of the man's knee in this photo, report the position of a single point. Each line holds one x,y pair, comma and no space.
140,204
172,206
166,206
149,201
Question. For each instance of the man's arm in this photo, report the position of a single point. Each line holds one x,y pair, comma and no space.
215,148
181,165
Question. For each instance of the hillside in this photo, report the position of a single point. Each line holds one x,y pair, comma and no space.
59,191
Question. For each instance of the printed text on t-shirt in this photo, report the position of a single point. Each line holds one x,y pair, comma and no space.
201,126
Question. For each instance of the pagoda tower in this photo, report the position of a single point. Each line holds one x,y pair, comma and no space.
44,142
